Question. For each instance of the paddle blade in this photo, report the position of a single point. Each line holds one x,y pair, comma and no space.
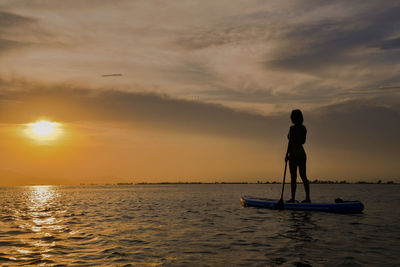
280,205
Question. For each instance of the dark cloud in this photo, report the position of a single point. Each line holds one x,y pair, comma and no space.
318,46
315,38
391,44
8,21
149,111
8,44
360,125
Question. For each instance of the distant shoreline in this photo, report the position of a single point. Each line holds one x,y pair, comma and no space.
258,182
193,183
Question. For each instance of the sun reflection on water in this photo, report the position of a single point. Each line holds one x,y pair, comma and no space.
42,210
40,195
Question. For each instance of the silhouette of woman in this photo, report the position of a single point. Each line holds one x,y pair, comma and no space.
296,154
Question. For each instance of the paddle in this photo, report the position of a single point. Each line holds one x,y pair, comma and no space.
280,205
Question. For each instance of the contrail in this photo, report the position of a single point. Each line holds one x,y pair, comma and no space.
111,75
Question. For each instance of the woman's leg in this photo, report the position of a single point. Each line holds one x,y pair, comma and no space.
293,175
303,175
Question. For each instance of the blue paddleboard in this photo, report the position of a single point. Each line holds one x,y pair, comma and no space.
343,207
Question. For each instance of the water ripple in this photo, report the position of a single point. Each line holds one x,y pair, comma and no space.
186,225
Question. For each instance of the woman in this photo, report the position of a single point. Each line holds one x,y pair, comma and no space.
296,154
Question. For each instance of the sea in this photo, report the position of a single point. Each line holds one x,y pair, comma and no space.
195,225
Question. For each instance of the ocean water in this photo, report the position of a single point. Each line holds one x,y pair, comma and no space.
194,225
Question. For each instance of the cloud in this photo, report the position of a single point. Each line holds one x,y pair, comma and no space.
250,95
27,32
283,54
8,21
316,38
147,110
6,45
391,44
224,35
360,124
333,42
313,52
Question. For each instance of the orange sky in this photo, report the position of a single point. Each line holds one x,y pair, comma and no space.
205,91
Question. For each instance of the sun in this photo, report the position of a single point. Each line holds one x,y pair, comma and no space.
43,130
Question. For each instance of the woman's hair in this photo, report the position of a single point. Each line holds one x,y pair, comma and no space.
297,116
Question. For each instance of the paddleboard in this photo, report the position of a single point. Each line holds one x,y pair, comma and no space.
343,207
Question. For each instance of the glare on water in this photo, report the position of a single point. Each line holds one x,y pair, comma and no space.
35,220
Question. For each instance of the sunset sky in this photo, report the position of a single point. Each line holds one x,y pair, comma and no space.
205,92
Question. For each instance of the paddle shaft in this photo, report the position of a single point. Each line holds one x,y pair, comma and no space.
284,176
